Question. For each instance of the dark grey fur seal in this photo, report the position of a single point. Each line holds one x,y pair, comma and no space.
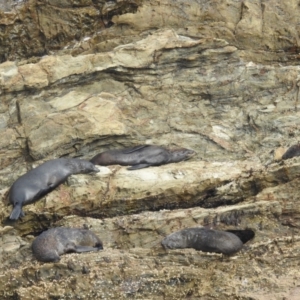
49,245
141,156
204,239
292,152
41,180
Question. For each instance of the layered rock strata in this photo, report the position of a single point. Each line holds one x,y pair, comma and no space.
220,77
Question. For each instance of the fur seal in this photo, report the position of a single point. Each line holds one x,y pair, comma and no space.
41,180
292,152
206,240
49,245
140,157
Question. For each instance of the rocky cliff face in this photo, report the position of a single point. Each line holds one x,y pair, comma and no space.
78,77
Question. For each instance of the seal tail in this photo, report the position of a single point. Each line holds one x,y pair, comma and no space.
16,213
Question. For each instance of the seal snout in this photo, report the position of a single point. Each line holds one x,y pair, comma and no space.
190,153
182,154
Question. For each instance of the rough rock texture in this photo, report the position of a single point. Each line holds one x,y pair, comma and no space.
78,77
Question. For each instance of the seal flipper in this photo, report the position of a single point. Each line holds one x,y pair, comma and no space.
51,185
133,149
80,249
16,212
52,182
22,214
139,166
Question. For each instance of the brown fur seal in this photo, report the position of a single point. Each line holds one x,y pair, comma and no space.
292,152
141,156
43,179
204,239
49,245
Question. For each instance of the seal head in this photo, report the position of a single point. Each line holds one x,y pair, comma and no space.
206,240
80,166
181,154
49,245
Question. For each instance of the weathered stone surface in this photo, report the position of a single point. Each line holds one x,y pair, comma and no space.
117,191
132,231
218,77
34,28
91,117
143,273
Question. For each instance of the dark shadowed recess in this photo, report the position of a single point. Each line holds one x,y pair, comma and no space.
244,235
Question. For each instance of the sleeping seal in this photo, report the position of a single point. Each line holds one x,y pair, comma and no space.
141,156
43,179
49,245
204,239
